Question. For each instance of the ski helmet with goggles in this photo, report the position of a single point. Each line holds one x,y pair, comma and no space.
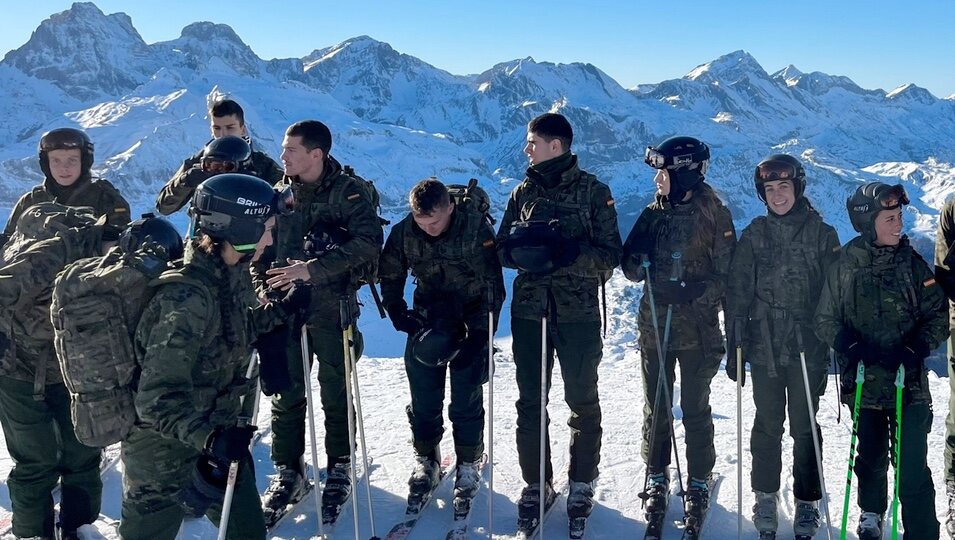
234,207
685,160
156,233
780,167
227,155
438,343
65,139
870,199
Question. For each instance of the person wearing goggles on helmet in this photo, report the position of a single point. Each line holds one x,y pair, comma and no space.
328,197
226,119
560,232
945,274
450,250
883,313
66,159
686,235
188,429
775,280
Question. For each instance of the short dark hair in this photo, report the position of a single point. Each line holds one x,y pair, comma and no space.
552,126
227,107
314,135
427,196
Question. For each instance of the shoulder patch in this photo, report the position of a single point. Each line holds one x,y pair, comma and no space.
120,209
727,234
928,282
837,249
488,243
611,202
353,197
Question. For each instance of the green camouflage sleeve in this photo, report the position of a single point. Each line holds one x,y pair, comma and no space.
932,326
31,272
393,267
510,216
119,213
945,249
177,191
24,202
602,252
168,340
364,244
490,266
724,244
829,317
741,282
639,243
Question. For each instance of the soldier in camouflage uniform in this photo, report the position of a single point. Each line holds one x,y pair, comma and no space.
66,157
774,283
192,345
561,264
328,198
688,237
945,274
881,306
34,403
451,252
226,117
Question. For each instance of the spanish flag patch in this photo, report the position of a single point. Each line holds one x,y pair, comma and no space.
727,234
611,202
488,243
928,282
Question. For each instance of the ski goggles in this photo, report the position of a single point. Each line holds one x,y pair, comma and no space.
892,197
769,171
284,201
659,160
654,158
217,166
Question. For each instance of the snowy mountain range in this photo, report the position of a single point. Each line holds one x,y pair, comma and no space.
397,119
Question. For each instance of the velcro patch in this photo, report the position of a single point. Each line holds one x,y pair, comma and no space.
120,209
928,282
353,196
727,234
837,248
611,202
488,243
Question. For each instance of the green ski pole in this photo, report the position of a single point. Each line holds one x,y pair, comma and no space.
860,377
899,384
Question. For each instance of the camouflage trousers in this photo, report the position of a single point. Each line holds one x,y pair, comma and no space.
949,454
468,372
44,449
156,469
288,408
579,349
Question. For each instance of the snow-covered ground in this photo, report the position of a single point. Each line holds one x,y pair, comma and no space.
384,393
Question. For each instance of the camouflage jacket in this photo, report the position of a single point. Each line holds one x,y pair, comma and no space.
179,189
777,273
889,296
96,193
706,251
584,208
945,258
453,270
336,200
192,347
26,285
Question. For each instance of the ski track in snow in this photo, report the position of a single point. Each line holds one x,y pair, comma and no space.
618,512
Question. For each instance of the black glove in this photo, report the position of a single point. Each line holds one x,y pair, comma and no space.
404,319
231,443
678,292
731,368
566,253
273,360
206,487
296,303
196,175
912,356
850,344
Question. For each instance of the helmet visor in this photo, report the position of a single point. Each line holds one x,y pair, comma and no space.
654,158
217,166
769,171
892,198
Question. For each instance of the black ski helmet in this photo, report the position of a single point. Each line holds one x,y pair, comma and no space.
686,159
160,235
780,167
227,154
437,344
870,199
65,139
324,237
234,207
530,245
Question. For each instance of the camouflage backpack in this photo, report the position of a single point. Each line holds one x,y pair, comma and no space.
472,197
97,304
43,221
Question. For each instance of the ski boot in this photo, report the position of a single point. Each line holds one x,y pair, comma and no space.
337,487
696,503
424,479
806,521
656,496
467,479
528,507
870,526
765,514
580,503
285,489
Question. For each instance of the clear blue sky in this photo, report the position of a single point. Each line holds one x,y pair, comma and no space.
877,43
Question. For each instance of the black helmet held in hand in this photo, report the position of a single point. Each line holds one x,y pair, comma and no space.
227,154
437,344
324,237
234,207
65,139
780,167
156,233
532,246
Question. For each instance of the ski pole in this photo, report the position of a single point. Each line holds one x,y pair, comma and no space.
345,317
490,409
738,334
814,427
543,413
899,384
660,378
352,359
860,378
306,369
234,466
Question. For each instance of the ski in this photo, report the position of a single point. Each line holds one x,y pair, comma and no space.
416,507
532,530
693,525
462,511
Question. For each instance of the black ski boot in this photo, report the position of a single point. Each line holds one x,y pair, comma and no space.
870,526
424,480
528,507
337,488
287,488
656,496
696,503
580,503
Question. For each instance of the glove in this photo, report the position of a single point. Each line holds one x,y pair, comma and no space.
678,292
911,356
566,253
404,319
196,175
206,487
731,368
231,443
296,304
273,360
734,334
850,344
